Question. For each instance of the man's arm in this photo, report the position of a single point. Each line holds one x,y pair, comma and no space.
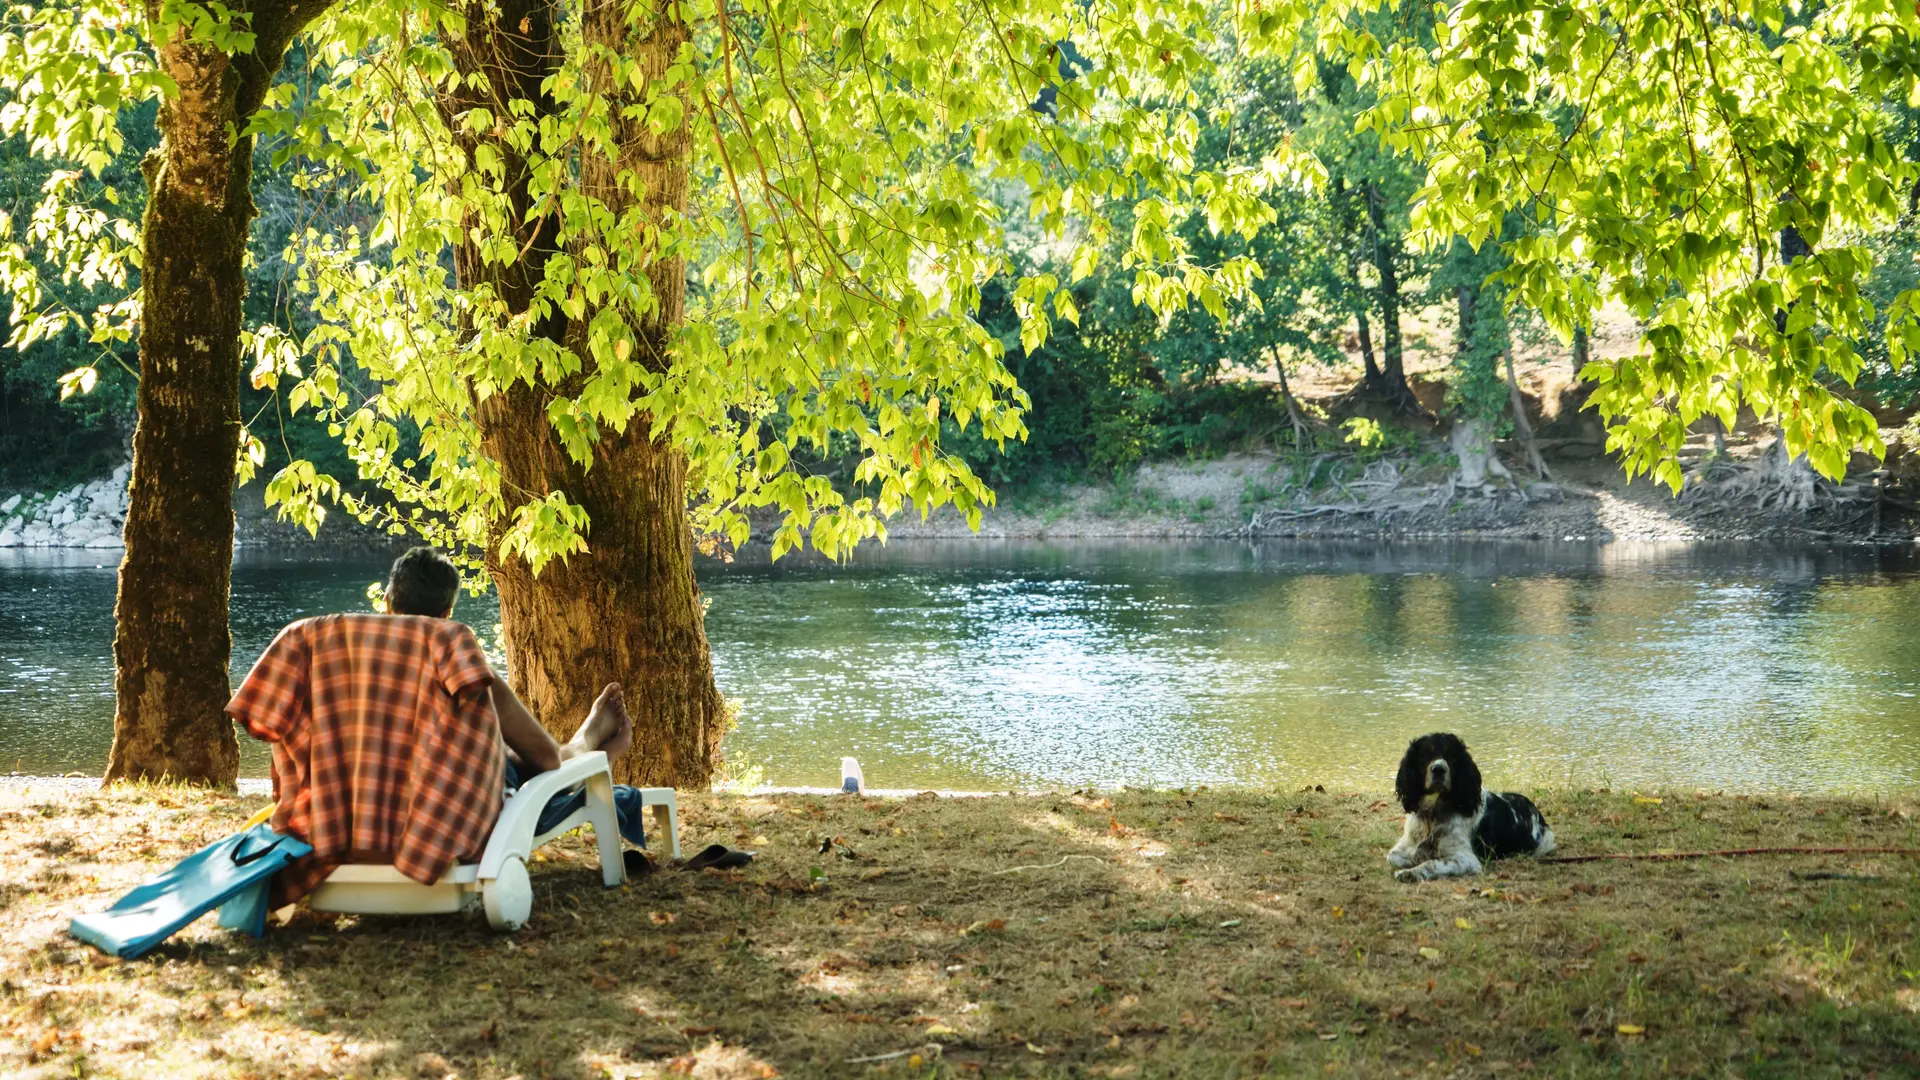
524,736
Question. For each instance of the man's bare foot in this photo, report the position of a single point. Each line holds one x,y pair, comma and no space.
608,726
621,741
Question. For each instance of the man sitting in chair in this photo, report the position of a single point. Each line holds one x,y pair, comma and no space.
425,582
387,735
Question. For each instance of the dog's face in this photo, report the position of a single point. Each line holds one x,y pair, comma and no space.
1437,772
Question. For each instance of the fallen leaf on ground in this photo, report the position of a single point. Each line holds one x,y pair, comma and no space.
1631,1029
1429,952
1462,924
662,918
985,926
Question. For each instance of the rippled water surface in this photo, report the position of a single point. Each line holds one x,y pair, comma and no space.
1000,665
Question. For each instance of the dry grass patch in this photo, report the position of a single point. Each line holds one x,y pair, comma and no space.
1141,934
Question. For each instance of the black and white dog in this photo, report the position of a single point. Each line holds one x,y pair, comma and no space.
1452,823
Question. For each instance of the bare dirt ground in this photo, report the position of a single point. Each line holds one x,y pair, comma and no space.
1117,935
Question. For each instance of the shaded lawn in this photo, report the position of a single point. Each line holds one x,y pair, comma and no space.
1215,934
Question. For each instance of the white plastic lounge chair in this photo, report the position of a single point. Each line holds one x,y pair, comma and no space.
499,882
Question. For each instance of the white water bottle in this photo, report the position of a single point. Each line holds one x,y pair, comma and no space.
851,781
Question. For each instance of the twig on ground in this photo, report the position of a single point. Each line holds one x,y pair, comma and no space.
931,1050
1825,876
1669,856
1047,866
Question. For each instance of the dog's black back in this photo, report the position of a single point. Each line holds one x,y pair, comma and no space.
1511,825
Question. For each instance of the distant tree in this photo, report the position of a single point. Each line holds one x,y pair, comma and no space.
1369,185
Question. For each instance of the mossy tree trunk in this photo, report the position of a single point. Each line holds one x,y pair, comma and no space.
629,610
171,644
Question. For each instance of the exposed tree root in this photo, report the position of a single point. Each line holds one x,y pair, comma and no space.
1773,482
1383,493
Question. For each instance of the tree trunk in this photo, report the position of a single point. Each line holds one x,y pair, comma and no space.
628,611
1521,425
1472,444
1582,349
171,643
1302,430
1371,370
1393,372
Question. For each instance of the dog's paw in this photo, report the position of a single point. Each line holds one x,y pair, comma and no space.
1400,861
1408,875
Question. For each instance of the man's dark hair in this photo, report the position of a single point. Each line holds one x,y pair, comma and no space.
423,582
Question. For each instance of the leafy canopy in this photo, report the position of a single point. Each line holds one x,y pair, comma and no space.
852,168
1665,155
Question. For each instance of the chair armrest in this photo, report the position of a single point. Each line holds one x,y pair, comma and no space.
513,834
570,774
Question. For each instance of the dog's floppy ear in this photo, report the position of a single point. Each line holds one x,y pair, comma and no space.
1465,790
1411,782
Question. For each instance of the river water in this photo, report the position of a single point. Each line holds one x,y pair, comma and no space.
997,665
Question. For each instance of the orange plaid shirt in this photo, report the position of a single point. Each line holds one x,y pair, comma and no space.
380,753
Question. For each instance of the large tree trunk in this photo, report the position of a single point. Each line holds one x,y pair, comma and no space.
171,642
628,611
1393,372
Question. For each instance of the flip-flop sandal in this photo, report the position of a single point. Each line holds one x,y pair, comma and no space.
718,857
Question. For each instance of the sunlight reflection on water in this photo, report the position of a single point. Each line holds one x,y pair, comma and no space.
1019,664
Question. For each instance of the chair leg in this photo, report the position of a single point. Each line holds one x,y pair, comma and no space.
606,829
666,818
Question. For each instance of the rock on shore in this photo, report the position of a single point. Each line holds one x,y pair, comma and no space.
83,516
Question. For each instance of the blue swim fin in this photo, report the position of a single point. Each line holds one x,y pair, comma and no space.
231,874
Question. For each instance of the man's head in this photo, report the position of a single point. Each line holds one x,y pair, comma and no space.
423,582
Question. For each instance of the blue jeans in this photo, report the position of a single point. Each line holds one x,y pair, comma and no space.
626,806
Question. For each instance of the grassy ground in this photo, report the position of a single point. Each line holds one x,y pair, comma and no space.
1140,934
